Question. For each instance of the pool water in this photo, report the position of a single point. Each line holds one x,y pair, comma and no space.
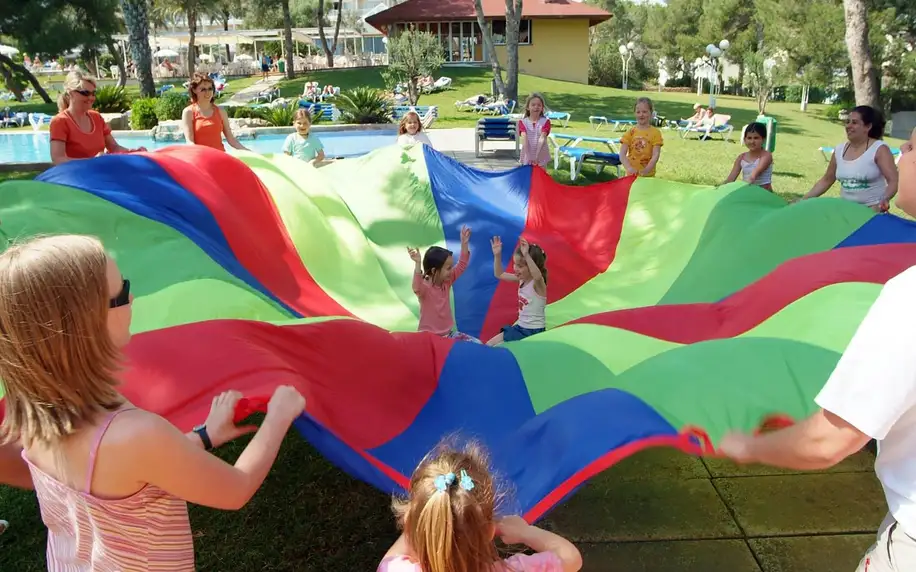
35,147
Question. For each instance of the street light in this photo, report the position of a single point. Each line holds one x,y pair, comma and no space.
715,52
626,52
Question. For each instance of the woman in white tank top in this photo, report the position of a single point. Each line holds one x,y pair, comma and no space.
863,164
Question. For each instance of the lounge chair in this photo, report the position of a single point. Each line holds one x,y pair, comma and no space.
718,125
828,151
428,113
321,111
597,121
441,84
495,129
561,116
567,146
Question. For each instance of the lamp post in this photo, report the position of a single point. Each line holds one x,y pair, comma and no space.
715,52
626,52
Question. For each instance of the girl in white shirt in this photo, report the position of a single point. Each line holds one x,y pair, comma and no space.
530,263
863,165
410,130
756,165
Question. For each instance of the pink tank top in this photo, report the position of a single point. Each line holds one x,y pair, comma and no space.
147,531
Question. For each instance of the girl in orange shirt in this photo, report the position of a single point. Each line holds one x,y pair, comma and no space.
78,131
204,123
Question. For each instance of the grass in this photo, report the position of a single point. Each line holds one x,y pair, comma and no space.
797,163
309,515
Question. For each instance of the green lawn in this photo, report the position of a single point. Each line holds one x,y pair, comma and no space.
798,163
311,516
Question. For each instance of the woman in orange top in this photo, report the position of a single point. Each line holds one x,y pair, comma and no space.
204,123
78,131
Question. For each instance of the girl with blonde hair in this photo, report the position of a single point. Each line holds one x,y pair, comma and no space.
78,131
449,522
113,481
410,130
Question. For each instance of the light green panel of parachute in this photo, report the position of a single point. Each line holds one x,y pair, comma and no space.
173,281
350,222
681,244
661,228
777,367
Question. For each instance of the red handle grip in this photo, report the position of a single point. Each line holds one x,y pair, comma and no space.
248,405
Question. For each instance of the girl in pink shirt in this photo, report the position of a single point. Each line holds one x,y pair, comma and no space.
433,286
533,130
112,480
449,523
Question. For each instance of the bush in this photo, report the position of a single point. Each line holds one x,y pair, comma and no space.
170,105
111,99
143,114
278,116
363,105
240,112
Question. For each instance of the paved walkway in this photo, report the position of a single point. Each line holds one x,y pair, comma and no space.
662,511
459,144
246,95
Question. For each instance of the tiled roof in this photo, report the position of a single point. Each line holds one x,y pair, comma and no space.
442,10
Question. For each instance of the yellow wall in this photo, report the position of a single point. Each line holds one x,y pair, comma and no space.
559,50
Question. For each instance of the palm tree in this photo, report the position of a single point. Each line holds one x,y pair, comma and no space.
136,20
192,10
288,39
328,50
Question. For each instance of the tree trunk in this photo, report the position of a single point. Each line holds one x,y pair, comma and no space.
336,35
11,83
119,61
804,97
864,75
413,92
513,22
136,19
489,49
8,66
226,16
192,37
288,40
328,50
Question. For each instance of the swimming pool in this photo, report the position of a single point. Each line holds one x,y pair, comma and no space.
35,147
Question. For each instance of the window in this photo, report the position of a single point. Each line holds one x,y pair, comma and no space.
498,28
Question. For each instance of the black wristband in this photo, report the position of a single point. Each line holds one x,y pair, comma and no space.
201,431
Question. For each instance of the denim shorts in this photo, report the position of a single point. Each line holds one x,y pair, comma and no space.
516,332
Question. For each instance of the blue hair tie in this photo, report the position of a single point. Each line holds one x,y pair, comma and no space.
467,483
443,482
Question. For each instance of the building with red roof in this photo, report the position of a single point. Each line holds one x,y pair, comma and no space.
553,36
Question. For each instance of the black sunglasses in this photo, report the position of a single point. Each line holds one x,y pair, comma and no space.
84,92
123,297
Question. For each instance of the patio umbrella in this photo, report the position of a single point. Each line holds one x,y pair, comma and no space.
243,57
205,57
8,50
166,53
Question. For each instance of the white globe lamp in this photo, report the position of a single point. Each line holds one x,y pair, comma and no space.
724,44
622,50
631,46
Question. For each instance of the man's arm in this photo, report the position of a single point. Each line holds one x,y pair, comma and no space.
818,442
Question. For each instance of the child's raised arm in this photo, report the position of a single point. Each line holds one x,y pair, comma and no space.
514,530
539,285
417,271
736,168
497,244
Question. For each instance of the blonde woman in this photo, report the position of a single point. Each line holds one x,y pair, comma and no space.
78,131
112,480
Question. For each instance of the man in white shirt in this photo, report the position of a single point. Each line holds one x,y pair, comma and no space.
870,395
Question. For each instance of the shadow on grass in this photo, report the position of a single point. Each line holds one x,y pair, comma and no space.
791,175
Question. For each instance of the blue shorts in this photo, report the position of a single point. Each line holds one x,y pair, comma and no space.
516,332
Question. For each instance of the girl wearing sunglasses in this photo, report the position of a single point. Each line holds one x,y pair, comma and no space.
78,131
113,481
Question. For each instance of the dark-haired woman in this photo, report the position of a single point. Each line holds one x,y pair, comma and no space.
204,123
863,164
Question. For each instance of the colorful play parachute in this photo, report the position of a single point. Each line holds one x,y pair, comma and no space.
676,312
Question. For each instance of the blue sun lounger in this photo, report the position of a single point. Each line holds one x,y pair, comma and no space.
597,121
828,151
567,146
